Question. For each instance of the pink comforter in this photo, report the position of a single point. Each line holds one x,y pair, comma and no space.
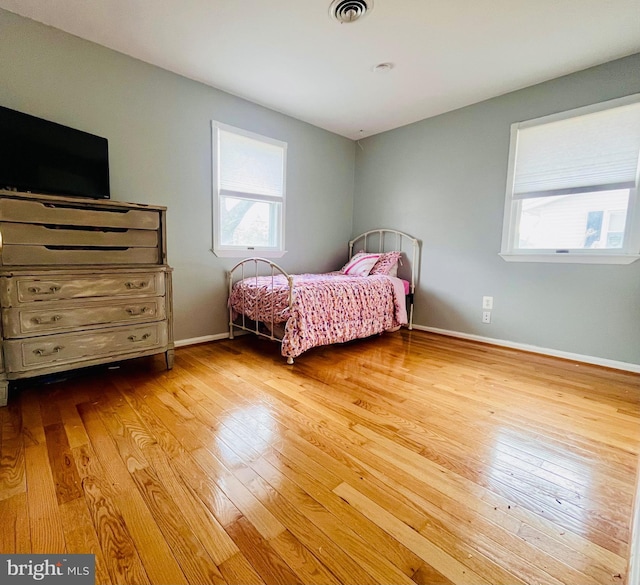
327,308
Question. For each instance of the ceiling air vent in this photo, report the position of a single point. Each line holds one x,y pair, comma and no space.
349,10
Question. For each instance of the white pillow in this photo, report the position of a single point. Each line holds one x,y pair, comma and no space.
360,264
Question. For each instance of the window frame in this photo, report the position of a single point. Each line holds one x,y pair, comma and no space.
227,251
630,252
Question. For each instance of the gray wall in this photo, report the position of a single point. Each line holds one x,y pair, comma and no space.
158,127
443,180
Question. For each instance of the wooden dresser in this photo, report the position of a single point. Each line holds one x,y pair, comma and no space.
82,282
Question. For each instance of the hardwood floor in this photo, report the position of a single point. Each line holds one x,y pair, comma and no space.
406,458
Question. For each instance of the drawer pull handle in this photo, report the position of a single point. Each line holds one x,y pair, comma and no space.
135,312
41,320
36,290
136,339
44,352
136,285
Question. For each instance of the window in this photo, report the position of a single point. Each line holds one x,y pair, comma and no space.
249,192
572,186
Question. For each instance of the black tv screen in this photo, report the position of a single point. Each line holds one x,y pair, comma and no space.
39,156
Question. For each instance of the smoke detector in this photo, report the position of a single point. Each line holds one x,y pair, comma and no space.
345,11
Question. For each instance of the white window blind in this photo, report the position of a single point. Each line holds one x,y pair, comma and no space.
573,186
598,151
250,166
249,185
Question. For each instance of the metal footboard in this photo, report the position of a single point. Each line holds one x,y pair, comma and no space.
254,268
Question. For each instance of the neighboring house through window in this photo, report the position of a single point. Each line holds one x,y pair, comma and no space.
572,186
249,193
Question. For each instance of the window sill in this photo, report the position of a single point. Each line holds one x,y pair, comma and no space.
249,253
574,258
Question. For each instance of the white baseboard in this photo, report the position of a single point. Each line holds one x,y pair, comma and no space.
626,366
203,339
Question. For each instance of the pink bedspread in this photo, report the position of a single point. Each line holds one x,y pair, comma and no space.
327,308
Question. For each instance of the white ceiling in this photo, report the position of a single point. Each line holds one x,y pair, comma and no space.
289,55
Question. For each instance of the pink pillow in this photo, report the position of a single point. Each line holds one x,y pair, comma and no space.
360,264
387,264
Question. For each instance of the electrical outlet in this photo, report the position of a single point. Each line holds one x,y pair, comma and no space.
487,303
486,316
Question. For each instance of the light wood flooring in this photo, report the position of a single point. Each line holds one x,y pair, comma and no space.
405,458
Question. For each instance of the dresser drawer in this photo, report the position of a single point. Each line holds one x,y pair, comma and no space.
59,255
27,289
27,234
54,213
31,320
72,348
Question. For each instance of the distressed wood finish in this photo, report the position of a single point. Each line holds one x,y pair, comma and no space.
73,270
26,355
40,235
404,458
20,255
65,316
26,286
51,209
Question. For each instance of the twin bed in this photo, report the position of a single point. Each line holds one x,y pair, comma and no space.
371,294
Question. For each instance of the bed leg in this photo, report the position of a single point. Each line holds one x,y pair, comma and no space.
411,315
289,360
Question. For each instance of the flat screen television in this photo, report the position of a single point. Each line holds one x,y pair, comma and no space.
40,156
